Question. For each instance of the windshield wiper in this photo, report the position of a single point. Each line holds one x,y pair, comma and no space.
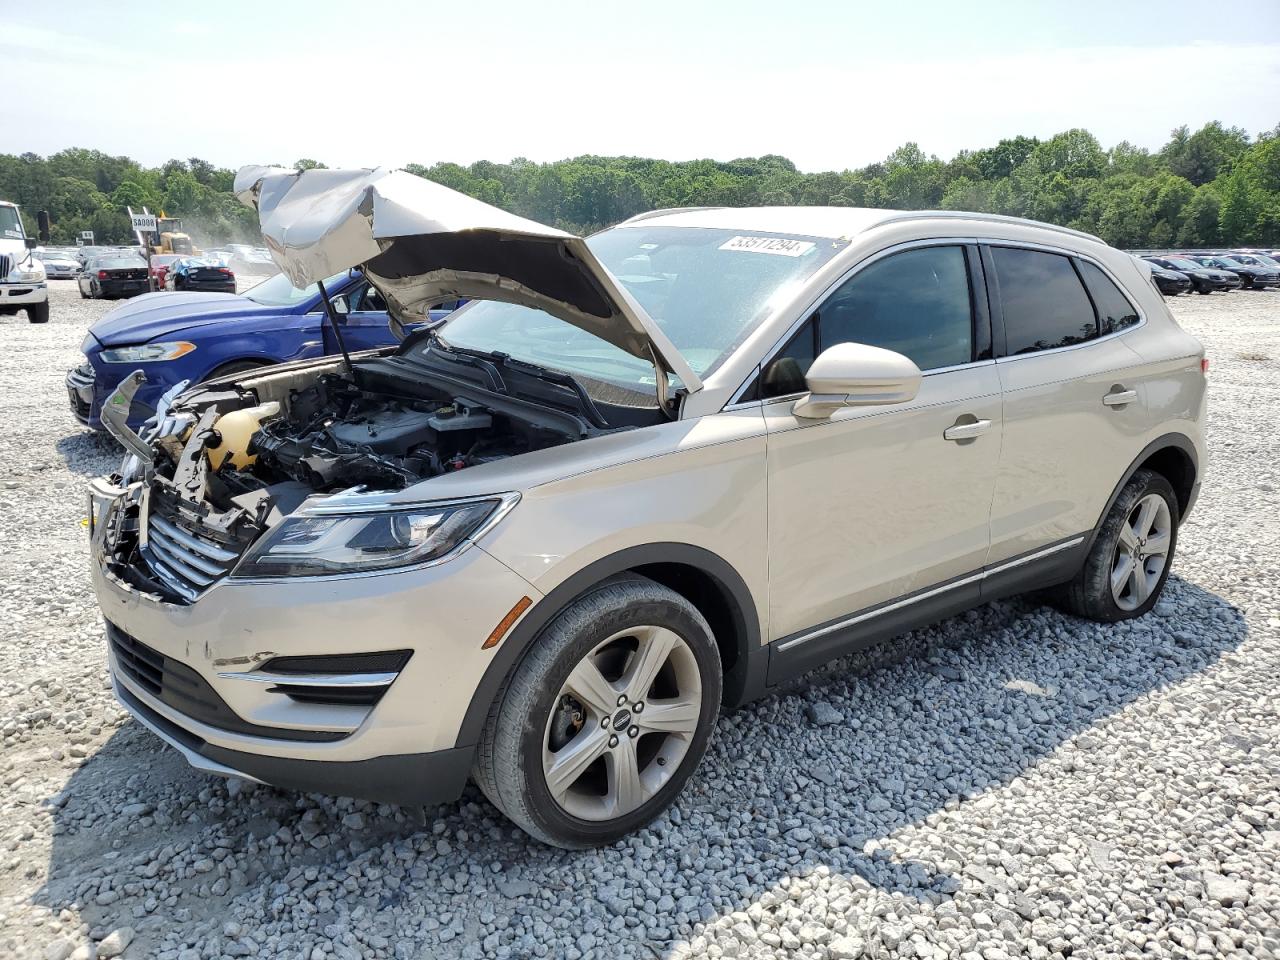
497,358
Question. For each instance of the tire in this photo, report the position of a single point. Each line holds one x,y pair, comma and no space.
534,719
38,312
1091,594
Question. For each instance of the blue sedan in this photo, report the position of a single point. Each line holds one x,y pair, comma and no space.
173,337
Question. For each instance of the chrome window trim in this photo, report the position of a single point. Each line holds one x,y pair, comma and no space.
933,592
736,402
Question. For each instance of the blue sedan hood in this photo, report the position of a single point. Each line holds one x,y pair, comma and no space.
154,315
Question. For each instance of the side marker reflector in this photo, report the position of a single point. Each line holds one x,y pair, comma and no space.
505,624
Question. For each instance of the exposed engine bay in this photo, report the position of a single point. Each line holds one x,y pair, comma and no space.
336,435
228,461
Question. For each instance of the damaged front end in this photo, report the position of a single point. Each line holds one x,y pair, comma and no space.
262,477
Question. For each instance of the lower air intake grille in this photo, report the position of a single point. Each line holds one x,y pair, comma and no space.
178,686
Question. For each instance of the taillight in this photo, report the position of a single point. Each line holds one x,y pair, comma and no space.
224,270
102,274
1204,365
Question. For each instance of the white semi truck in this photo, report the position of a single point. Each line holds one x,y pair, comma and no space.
22,279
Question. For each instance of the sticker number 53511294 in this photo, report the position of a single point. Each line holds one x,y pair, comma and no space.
778,246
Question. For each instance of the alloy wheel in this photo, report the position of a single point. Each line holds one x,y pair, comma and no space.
1142,552
622,723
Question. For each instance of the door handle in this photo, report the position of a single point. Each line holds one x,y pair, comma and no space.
1118,398
966,431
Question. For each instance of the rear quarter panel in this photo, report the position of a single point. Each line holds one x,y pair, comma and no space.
1174,383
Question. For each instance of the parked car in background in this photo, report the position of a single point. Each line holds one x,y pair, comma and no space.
158,269
1251,278
220,254
1169,282
1256,260
85,254
509,550
251,261
113,276
58,264
193,336
1203,279
200,273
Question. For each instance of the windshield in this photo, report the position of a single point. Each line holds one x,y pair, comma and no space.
10,224
706,288
1185,264
1227,262
279,291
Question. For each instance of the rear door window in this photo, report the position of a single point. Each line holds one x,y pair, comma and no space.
1045,304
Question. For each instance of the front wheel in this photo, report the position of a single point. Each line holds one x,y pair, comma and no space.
605,719
38,312
1127,567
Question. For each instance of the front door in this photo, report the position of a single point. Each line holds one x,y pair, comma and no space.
366,324
878,503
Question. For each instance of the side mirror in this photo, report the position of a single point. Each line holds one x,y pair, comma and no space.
341,305
32,243
854,375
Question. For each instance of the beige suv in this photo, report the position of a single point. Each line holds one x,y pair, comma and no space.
641,479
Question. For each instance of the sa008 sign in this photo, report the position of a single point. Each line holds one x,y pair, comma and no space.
144,221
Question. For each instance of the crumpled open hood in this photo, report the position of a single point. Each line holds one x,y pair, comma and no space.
421,243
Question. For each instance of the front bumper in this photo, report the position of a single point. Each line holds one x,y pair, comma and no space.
405,748
88,386
22,294
420,779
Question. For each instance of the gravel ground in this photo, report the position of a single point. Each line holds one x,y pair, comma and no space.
1010,783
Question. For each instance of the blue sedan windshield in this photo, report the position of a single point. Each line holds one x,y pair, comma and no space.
706,288
279,291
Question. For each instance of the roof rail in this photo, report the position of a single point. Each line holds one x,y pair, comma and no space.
664,211
991,217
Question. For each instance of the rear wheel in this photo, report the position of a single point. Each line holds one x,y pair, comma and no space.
610,712
1129,563
38,312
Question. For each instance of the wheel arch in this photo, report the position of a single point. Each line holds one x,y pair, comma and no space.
706,580
1174,457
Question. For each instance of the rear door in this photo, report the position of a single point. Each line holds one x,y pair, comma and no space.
1074,398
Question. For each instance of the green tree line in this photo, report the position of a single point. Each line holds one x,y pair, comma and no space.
1216,185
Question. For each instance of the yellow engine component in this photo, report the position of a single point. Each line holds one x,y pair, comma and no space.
235,430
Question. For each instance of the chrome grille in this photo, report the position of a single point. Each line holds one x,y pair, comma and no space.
5,266
185,561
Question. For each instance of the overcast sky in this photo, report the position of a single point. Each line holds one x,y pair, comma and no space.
832,85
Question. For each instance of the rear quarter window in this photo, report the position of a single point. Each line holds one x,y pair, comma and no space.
1115,312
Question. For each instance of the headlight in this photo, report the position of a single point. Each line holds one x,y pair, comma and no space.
312,545
148,352
29,274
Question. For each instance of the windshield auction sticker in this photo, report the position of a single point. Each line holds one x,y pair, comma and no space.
778,246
